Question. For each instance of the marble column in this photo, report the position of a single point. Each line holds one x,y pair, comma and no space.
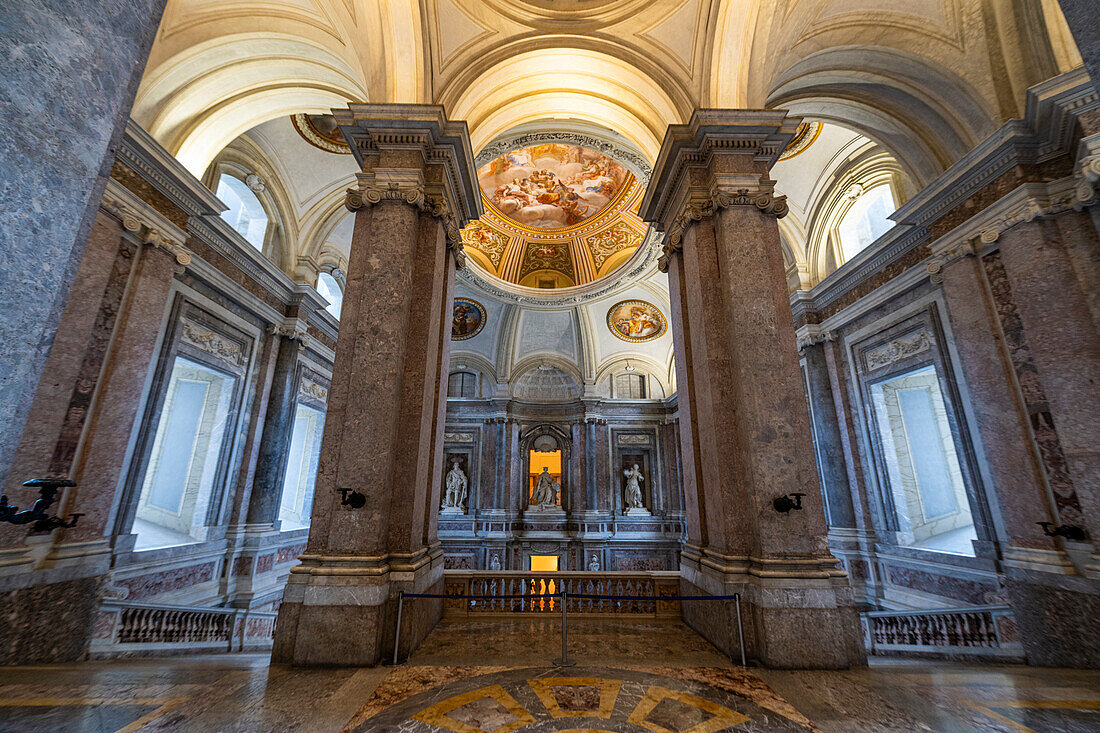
267,481
383,431
745,430
71,70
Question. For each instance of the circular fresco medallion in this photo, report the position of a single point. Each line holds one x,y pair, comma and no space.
321,131
636,320
468,319
552,186
803,138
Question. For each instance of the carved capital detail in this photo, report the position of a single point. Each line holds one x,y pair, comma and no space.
699,207
292,330
149,225
417,196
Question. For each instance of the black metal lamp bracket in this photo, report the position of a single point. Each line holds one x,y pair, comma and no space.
48,489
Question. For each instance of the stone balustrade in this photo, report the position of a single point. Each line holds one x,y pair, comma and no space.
979,632
628,593
138,629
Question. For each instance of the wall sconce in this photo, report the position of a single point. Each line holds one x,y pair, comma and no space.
352,498
1068,531
47,495
629,366
784,504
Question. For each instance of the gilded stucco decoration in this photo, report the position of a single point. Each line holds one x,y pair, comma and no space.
557,214
321,131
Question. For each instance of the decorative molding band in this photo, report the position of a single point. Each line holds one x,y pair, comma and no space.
152,227
313,389
1026,203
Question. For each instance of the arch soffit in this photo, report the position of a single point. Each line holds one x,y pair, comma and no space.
925,115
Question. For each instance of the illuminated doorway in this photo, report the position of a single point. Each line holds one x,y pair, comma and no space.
549,461
543,564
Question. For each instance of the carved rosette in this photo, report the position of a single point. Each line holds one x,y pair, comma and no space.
431,202
700,207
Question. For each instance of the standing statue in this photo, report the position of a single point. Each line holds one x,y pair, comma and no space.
456,488
633,489
593,564
546,490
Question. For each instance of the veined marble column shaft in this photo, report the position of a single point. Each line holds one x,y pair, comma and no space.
383,431
745,429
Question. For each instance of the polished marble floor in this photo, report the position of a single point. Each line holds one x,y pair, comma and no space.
497,676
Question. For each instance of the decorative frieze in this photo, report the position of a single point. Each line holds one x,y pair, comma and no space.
312,389
212,342
634,439
896,350
458,437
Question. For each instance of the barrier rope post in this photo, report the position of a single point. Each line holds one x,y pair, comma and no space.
740,631
564,661
397,631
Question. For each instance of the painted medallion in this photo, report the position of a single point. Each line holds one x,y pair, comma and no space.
553,185
636,320
321,131
468,319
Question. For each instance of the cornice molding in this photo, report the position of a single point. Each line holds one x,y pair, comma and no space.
684,163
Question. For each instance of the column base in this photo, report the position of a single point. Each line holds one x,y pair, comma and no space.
342,611
792,619
1056,616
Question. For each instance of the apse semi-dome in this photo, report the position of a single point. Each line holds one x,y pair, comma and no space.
557,215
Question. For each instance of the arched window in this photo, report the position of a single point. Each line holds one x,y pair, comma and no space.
245,213
462,384
866,220
330,290
630,386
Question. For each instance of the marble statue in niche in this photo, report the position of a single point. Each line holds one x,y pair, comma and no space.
633,492
593,564
494,562
546,491
456,485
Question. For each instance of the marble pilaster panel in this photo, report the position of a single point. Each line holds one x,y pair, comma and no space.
278,424
828,443
747,426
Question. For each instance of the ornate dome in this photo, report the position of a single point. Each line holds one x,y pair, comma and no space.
557,215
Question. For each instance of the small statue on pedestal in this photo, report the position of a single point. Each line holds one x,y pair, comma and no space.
456,484
546,490
633,493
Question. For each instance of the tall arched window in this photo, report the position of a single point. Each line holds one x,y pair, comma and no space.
245,213
462,385
867,220
329,288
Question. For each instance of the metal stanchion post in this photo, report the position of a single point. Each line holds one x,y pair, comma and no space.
565,661
740,631
397,631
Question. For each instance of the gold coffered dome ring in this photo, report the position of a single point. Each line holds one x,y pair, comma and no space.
561,211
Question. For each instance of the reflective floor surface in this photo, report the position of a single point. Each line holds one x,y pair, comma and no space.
497,677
